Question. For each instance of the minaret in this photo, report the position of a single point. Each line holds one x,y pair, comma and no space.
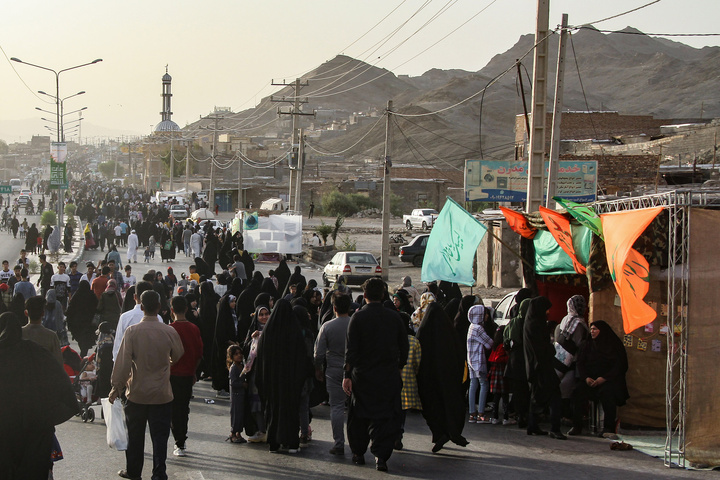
166,95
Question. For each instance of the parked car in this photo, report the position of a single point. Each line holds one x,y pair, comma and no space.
215,224
178,211
414,252
502,309
202,196
420,217
356,267
26,191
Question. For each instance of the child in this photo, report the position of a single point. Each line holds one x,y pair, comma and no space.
238,385
151,243
147,255
498,361
87,377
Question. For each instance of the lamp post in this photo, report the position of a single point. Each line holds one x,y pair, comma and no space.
62,109
58,115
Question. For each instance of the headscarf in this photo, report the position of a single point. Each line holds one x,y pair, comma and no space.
416,318
576,308
54,318
521,295
340,284
111,286
539,353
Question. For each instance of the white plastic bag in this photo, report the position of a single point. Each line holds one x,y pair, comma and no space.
117,434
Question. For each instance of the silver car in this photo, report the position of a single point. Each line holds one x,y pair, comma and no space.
356,267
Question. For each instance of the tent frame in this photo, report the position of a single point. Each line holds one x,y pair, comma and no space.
678,204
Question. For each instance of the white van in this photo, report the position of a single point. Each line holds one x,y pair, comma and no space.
16,185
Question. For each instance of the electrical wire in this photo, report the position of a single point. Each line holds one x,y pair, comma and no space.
490,83
351,146
438,135
22,80
621,14
582,87
623,32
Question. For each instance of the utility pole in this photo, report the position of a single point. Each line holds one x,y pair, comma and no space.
385,256
536,158
171,161
295,112
557,115
211,193
299,171
187,166
240,183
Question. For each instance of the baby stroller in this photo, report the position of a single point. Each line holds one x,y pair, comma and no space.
83,378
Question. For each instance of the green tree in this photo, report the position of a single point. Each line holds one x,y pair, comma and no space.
338,223
48,217
107,169
324,230
4,147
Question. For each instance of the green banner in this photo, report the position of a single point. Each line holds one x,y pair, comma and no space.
550,259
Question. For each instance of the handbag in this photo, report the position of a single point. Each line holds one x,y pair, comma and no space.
168,245
117,434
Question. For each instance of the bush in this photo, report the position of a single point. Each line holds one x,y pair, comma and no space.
48,217
348,245
324,230
338,223
335,203
70,209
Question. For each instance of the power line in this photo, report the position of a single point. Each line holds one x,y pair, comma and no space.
438,135
22,80
582,87
619,14
351,146
625,32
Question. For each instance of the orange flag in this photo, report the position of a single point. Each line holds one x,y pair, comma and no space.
628,268
559,227
518,223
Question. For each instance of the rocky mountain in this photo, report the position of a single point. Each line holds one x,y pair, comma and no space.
628,72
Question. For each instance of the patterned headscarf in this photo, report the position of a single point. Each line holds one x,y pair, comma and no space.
416,318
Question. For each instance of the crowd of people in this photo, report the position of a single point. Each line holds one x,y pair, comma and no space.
277,345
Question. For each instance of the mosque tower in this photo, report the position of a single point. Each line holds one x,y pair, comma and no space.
166,124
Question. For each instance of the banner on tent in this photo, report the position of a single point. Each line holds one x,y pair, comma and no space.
274,234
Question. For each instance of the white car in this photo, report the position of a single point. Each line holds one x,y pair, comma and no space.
26,191
356,267
178,212
502,309
215,224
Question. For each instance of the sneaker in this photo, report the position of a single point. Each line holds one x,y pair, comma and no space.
472,418
179,452
495,421
292,450
222,394
259,437
483,419
509,422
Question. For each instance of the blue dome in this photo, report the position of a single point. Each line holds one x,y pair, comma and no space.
167,126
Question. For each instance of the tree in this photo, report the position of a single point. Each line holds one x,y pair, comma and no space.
108,169
4,147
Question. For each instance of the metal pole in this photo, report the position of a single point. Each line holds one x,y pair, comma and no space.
187,166
240,183
299,173
172,165
385,256
536,158
557,115
212,166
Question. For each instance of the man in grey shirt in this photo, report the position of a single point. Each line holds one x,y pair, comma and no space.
239,268
330,350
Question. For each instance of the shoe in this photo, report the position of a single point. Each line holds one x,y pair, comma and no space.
238,439
483,419
380,465
609,435
536,431
180,452
123,474
398,445
472,418
440,443
259,437
337,451
304,440
557,436
575,431
222,394
292,450
358,459
509,422
495,421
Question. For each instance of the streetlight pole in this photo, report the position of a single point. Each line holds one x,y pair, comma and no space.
58,116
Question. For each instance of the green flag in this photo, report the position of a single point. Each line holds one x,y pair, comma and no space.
452,246
584,214
550,259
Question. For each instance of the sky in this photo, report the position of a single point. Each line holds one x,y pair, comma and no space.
225,53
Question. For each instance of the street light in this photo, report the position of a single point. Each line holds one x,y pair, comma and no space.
62,109
57,113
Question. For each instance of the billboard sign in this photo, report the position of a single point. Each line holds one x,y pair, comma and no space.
500,181
58,170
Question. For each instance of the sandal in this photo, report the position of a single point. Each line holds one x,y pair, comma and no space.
620,446
472,418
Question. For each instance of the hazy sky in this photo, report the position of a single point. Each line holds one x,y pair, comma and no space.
225,53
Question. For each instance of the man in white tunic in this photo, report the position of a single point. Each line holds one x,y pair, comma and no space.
196,241
133,243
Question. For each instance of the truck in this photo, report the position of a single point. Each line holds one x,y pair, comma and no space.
420,217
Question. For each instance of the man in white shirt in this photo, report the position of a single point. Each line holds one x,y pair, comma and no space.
196,241
61,283
131,317
90,275
6,273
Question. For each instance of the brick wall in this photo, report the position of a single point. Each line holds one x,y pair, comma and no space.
622,173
